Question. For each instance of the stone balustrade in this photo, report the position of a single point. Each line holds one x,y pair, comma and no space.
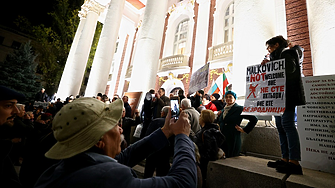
221,51
173,62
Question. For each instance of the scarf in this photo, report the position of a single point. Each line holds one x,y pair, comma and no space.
226,110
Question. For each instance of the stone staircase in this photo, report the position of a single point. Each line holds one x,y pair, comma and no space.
250,170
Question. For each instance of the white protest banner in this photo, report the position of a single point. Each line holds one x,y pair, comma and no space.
199,79
316,124
39,103
265,92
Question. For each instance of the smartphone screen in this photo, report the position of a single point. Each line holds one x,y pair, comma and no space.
174,107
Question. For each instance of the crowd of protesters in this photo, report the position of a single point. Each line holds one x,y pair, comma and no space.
71,143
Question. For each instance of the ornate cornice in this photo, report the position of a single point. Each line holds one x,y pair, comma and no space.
181,6
215,71
90,6
171,76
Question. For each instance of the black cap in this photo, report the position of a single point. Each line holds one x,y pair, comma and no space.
216,95
9,94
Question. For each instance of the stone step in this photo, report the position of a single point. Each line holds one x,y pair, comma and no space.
139,169
247,171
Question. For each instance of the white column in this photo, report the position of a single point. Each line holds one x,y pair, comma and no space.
73,74
321,23
200,49
105,50
254,25
127,27
69,62
146,57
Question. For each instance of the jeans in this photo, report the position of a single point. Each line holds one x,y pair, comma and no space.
288,135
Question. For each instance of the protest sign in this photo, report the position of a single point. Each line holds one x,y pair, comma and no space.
265,92
39,103
316,124
199,79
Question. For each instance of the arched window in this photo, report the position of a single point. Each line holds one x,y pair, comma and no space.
229,24
180,37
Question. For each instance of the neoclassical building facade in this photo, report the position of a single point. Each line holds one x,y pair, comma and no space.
148,44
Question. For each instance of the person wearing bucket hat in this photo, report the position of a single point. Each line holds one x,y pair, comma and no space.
8,111
88,144
229,120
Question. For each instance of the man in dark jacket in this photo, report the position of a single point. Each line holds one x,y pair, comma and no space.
161,159
159,102
41,96
147,111
196,100
89,140
8,111
126,106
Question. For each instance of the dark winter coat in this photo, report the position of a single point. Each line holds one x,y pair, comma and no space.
128,109
90,169
208,140
295,95
159,104
8,175
218,104
43,97
160,160
232,145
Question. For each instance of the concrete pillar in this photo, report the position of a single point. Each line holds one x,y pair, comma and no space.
321,23
200,49
62,92
73,73
105,50
254,25
146,58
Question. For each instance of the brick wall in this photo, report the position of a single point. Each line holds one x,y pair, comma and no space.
132,47
190,60
164,35
107,89
298,32
210,26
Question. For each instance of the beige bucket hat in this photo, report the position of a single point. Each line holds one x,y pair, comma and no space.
79,125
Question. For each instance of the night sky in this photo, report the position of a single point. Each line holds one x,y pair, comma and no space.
35,10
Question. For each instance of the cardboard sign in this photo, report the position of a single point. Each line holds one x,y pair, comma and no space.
265,92
199,79
316,124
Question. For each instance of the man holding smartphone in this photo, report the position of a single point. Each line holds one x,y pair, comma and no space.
160,102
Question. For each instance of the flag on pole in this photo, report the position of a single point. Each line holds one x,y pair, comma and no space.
220,85
225,84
